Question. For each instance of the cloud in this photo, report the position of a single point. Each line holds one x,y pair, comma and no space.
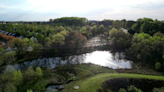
130,14
4,6
91,9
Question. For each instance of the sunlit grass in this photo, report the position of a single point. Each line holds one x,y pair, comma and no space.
91,84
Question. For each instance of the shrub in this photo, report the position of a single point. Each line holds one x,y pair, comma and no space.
29,90
132,88
122,90
157,65
158,89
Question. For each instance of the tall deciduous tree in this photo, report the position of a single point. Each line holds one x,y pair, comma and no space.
58,39
40,37
29,73
9,57
17,77
10,88
63,33
93,23
19,43
47,42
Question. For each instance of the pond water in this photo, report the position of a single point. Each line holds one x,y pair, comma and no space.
54,88
102,58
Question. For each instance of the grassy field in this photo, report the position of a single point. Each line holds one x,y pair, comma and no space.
91,84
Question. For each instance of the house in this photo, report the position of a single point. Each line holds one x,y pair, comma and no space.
16,23
22,37
35,39
2,22
6,33
29,49
13,34
9,33
3,31
8,49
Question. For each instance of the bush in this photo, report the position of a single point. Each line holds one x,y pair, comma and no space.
157,65
29,90
158,89
132,88
122,90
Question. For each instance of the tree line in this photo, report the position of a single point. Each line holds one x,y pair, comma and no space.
141,46
12,80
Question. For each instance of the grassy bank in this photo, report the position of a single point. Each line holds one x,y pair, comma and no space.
88,77
91,84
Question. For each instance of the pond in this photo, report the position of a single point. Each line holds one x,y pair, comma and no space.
54,88
103,58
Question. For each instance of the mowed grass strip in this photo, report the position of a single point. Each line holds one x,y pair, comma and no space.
91,84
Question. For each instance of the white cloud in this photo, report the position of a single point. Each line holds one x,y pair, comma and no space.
130,14
85,6
91,9
4,6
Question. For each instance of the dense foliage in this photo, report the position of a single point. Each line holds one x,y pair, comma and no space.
70,21
131,85
146,48
144,42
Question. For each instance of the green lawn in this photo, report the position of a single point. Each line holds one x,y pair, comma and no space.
91,84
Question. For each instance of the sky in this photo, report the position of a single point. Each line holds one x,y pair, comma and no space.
43,10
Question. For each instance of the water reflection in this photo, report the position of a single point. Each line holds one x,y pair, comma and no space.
103,58
106,58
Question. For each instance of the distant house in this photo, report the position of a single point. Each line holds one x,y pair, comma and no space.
16,23
12,34
29,49
35,39
22,37
8,49
2,22
3,31
6,32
